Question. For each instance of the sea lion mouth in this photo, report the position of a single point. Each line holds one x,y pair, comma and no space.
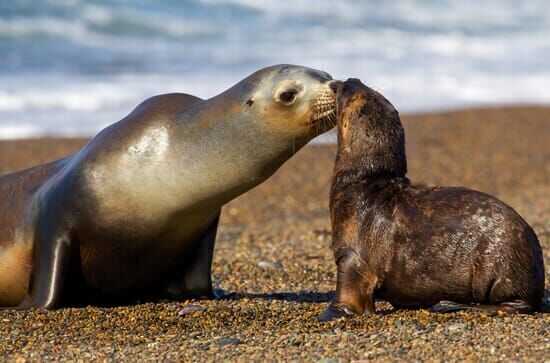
324,107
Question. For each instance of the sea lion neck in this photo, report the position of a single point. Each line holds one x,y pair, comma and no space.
238,149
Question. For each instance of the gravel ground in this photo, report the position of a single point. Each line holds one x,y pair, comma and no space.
273,261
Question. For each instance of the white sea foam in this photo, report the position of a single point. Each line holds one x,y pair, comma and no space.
83,107
20,131
72,67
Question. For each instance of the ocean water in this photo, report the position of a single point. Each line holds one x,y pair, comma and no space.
71,67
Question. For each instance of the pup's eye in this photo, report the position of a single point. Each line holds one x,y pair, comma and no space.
287,96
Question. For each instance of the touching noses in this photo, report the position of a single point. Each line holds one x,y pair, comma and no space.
334,85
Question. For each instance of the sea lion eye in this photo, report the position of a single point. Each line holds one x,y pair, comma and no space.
288,96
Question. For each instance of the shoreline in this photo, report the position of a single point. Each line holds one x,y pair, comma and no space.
443,112
37,150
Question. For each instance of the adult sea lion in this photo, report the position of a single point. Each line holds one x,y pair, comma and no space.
133,215
415,246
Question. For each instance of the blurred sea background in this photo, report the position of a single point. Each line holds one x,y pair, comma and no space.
71,67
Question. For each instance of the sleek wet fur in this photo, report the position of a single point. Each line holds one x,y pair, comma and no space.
415,246
133,215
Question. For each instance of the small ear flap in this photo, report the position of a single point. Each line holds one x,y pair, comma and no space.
250,101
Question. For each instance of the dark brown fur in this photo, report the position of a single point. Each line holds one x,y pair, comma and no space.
417,246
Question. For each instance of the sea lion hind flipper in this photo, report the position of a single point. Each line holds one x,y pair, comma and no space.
446,306
507,307
48,274
196,281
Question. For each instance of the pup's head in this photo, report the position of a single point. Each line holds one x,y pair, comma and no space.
370,132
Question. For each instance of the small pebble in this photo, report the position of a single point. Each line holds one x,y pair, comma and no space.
189,309
228,341
267,265
456,326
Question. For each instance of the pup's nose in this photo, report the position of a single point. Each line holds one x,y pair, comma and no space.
353,83
334,85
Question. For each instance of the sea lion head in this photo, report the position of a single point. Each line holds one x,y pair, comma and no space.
293,100
370,133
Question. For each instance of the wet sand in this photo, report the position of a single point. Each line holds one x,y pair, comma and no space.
272,257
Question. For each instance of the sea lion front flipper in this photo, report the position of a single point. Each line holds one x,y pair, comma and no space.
197,278
349,300
50,264
333,311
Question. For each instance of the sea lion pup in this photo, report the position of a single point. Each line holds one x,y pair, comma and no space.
133,215
416,246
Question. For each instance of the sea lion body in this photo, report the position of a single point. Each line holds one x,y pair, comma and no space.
133,215
417,246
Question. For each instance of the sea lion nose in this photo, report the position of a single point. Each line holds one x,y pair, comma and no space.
334,85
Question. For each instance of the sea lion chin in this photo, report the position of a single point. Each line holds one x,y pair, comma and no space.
133,215
446,249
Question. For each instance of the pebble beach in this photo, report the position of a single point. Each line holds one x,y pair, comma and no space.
276,272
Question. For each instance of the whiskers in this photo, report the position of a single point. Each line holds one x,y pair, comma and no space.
324,111
332,137
327,121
